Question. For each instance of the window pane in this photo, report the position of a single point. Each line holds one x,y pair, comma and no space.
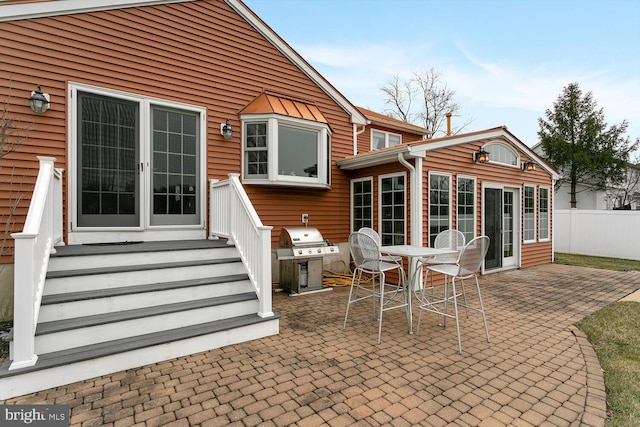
297,152
393,209
256,150
466,207
377,140
439,209
529,213
394,140
361,201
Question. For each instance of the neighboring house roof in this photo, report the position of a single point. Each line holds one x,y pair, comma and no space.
268,103
422,148
393,123
15,10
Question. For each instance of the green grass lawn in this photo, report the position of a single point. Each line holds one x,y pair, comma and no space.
614,333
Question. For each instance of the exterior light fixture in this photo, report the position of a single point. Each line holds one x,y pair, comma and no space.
226,130
529,166
481,156
39,101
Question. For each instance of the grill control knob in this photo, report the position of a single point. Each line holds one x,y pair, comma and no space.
299,251
319,250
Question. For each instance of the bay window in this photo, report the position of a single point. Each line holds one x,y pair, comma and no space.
285,151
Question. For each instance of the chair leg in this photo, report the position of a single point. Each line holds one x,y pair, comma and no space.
455,309
484,317
346,314
382,279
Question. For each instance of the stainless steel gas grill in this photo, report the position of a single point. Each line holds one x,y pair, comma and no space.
300,257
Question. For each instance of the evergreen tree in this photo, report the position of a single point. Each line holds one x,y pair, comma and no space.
578,142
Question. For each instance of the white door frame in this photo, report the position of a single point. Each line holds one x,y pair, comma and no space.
144,231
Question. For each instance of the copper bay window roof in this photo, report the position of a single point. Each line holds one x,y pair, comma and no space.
272,104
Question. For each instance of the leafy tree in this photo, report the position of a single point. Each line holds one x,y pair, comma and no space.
433,97
623,195
577,141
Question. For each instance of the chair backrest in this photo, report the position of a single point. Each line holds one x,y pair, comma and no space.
373,233
363,248
473,254
449,239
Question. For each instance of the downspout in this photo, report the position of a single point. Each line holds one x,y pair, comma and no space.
415,177
356,132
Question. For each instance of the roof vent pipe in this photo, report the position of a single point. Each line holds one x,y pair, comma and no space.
449,123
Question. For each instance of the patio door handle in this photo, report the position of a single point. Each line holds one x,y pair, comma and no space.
141,167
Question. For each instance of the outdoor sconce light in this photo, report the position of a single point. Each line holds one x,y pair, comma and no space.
39,101
481,156
529,166
226,130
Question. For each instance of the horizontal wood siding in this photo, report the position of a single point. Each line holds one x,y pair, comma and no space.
200,53
458,160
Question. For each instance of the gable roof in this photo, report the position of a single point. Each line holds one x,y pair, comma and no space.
20,10
422,148
393,123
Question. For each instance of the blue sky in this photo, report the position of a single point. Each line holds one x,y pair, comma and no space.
507,60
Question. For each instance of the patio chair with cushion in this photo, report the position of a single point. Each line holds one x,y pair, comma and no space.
369,279
466,267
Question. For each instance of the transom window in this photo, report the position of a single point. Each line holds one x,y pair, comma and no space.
285,151
500,153
380,139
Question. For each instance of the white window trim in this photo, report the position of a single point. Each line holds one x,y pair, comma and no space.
448,175
392,175
495,162
351,206
475,201
145,104
323,180
535,213
548,238
386,138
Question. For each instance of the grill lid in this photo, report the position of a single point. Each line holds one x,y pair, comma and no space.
291,237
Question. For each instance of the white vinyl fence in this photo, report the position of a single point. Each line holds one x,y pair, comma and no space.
598,232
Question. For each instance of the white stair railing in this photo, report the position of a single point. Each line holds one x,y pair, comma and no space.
232,216
42,230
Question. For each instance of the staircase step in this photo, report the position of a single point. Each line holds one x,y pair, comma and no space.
94,351
119,316
94,256
135,268
128,290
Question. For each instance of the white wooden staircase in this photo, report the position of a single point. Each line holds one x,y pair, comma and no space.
111,307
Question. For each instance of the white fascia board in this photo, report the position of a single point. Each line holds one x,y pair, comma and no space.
293,56
15,12
380,157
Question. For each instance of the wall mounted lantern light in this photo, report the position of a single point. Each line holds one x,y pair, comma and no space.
226,130
529,166
481,156
39,101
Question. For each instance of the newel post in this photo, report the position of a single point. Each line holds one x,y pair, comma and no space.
24,303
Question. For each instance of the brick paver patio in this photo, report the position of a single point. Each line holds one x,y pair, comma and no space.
538,369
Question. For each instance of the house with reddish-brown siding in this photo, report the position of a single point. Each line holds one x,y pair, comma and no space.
437,184
176,127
